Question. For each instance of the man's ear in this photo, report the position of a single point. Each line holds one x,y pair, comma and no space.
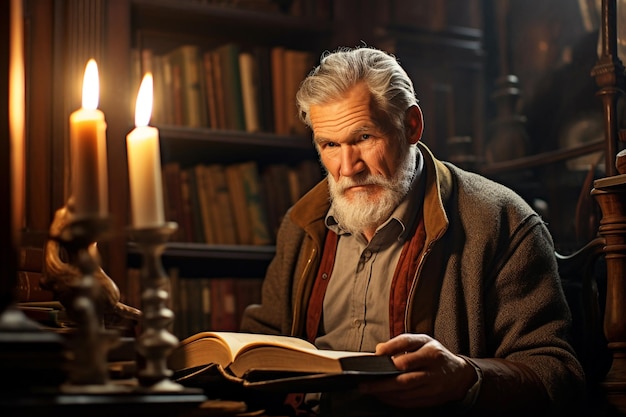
414,122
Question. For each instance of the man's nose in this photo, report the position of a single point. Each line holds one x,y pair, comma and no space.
351,162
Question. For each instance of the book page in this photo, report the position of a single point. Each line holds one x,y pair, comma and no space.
238,341
241,343
223,348
304,360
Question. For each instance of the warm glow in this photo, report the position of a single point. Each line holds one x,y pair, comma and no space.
17,117
91,86
143,107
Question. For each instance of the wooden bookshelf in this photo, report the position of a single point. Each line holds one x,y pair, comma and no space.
160,26
196,260
120,28
200,20
227,146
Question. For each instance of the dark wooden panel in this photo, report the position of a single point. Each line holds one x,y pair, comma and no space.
8,257
41,138
193,260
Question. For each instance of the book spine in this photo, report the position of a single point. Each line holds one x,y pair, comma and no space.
30,259
47,316
248,292
218,85
211,95
277,59
296,66
29,288
162,100
265,96
193,93
187,207
196,208
221,204
206,308
167,91
173,198
211,205
274,178
256,208
223,304
204,196
239,204
231,82
249,90
131,293
177,94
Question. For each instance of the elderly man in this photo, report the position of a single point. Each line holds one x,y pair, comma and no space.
401,254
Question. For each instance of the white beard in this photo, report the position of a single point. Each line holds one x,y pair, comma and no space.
363,212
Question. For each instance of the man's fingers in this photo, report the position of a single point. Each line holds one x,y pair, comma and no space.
402,343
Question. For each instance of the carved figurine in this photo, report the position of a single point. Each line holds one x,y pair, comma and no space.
62,277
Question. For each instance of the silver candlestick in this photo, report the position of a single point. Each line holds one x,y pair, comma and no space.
155,341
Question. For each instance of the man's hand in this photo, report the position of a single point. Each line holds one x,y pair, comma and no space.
434,374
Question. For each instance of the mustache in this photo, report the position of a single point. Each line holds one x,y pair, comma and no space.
344,183
347,182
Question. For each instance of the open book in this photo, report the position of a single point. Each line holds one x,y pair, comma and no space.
271,361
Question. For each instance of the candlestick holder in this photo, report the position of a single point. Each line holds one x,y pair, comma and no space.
89,345
155,342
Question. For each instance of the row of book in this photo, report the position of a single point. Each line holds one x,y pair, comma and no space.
28,287
49,314
227,87
238,204
198,304
201,304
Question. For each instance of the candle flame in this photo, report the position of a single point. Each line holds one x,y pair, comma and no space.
91,87
143,107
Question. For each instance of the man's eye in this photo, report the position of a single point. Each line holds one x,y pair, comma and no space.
365,136
331,145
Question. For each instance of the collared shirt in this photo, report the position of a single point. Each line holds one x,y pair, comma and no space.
356,305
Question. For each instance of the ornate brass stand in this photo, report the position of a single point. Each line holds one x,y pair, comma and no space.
91,342
156,341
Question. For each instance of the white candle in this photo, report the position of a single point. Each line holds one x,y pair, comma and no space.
88,149
144,163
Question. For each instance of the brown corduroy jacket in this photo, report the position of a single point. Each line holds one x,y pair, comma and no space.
487,288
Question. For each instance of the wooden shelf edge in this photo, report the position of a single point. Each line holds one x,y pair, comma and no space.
544,158
206,251
170,132
231,146
198,260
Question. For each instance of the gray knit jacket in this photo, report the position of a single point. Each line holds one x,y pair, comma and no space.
487,288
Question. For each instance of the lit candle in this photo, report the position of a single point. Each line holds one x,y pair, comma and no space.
88,149
144,163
